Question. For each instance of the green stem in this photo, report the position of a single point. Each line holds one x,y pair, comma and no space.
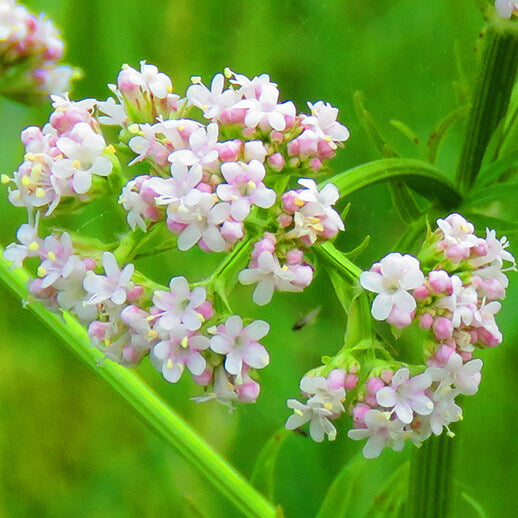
337,260
148,406
431,488
491,97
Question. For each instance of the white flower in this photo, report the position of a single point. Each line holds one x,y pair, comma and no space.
506,8
82,150
113,286
324,124
458,231
399,273
202,217
445,411
316,415
316,387
380,432
464,377
269,276
406,395
212,101
202,150
240,345
265,112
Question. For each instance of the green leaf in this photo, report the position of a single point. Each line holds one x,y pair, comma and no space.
417,174
388,503
263,474
437,136
410,134
412,238
403,202
338,260
359,321
492,172
475,505
342,491
344,290
359,249
501,192
356,486
146,404
370,127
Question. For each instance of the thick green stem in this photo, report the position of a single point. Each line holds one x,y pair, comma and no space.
491,97
148,406
431,490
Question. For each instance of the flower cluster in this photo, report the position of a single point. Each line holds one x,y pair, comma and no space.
63,159
213,169
450,291
30,49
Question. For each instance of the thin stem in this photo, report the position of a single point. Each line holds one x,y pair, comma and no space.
336,259
148,406
431,489
491,97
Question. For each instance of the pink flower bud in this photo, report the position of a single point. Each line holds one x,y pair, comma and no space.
98,330
294,256
89,263
206,310
336,379
442,328
248,392
204,378
315,164
290,202
387,375
351,381
399,318
457,253
374,384
421,293
135,293
276,161
284,220
425,321
440,282
359,412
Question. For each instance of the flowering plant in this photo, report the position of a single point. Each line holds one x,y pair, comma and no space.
229,169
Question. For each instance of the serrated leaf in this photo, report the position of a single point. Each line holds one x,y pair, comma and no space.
263,474
417,174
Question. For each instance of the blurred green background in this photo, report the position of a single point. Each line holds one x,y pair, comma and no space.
69,446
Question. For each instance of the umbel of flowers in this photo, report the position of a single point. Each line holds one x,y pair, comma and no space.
227,169
30,54
450,291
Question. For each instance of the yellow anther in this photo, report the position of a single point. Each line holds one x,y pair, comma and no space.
195,80
107,342
185,342
328,406
34,246
30,156
5,179
328,138
169,88
110,149
76,164
41,271
36,169
284,268
201,317
134,128
51,256
227,72
169,364
39,192
251,184
449,433
204,107
26,181
299,202
298,412
152,334
180,128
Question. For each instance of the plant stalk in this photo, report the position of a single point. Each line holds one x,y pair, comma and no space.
147,405
492,93
431,489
